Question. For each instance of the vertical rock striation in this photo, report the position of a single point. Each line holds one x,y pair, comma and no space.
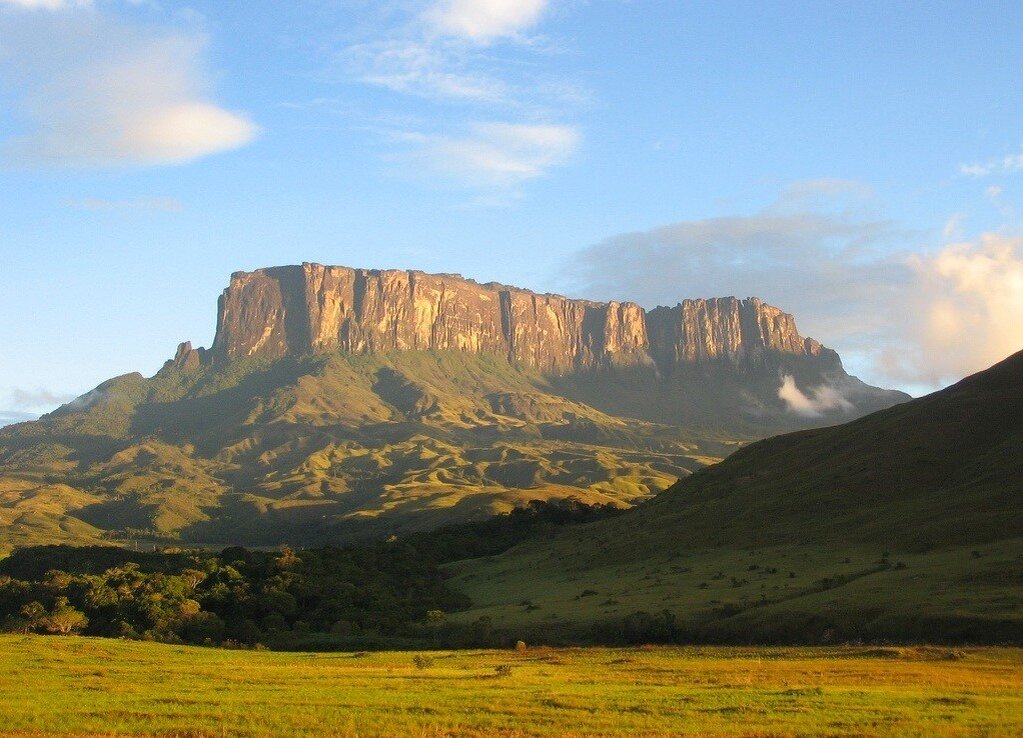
313,308
739,332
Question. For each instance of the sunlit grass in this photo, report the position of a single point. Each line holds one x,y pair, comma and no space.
81,686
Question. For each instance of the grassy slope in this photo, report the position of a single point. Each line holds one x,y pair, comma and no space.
787,538
323,448
61,686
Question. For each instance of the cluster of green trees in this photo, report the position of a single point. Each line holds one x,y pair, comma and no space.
237,596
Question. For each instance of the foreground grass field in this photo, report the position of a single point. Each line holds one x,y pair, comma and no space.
81,686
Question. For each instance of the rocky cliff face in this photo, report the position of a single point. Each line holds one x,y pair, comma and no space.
313,308
740,332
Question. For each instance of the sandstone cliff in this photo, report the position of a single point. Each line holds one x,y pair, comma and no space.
313,308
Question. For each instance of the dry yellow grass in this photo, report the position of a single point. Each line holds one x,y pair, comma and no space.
80,686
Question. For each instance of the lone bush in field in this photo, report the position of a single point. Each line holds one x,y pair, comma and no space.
422,662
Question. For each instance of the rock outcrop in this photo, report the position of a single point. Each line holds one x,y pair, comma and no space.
312,308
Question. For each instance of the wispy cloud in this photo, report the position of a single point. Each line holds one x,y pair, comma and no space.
21,404
497,154
160,204
430,69
1005,165
91,91
39,398
495,120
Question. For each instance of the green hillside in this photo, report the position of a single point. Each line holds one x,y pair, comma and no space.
907,523
331,448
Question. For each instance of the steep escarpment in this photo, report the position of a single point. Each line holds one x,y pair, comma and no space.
296,310
741,332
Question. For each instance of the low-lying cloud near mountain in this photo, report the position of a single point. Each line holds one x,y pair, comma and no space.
20,404
899,310
814,402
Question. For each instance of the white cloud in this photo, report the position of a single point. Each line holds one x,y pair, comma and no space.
485,20
430,70
815,402
444,51
1005,165
898,310
94,92
497,154
46,4
969,306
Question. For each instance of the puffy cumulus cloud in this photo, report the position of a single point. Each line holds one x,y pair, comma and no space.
497,154
95,92
899,311
484,20
968,305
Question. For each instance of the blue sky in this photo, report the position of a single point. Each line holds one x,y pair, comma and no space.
858,164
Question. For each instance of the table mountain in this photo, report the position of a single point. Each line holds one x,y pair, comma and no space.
340,403
297,310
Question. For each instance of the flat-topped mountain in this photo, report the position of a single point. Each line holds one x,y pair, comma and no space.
296,310
339,403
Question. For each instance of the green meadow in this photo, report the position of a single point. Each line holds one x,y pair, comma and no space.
83,686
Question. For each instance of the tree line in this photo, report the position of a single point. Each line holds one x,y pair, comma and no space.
355,595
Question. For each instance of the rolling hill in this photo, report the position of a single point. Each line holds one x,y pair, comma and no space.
338,404
907,523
